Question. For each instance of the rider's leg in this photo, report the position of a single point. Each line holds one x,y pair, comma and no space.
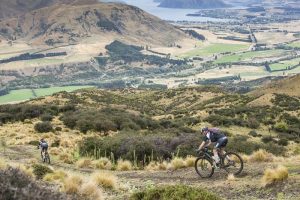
216,156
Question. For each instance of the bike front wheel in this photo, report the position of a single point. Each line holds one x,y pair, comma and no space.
233,163
204,167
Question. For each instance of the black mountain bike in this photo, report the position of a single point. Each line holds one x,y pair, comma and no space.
46,157
205,165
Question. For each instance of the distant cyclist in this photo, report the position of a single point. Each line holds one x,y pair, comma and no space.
43,145
214,135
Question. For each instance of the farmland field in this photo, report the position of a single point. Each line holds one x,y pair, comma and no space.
294,44
249,55
26,94
215,49
285,64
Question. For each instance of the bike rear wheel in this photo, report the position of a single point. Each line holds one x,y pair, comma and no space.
46,158
233,163
204,167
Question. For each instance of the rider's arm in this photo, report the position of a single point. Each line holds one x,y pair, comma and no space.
204,144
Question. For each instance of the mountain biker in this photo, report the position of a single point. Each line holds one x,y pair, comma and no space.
44,146
214,135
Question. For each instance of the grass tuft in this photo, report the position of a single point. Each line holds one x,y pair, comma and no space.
177,163
102,163
84,163
90,191
105,180
124,165
261,156
272,176
190,161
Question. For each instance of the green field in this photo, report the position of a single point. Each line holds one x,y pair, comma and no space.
285,64
215,49
294,44
26,94
249,55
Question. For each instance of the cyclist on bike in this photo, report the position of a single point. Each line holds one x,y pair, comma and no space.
43,145
214,135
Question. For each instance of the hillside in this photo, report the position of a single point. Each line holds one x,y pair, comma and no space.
194,4
137,135
288,86
10,8
65,23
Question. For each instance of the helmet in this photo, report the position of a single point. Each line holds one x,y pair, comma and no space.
42,140
204,129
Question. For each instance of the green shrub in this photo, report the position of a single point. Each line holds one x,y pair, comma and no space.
174,192
55,143
41,170
46,117
253,133
281,127
34,143
267,139
14,184
283,142
43,127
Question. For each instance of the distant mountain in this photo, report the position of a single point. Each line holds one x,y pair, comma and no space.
64,23
197,4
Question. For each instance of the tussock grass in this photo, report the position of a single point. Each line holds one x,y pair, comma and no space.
272,176
102,163
90,191
71,184
84,163
124,165
157,166
66,158
261,156
58,175
178,163
105,180
190,161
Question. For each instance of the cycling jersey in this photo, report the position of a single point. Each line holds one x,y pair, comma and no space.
214,134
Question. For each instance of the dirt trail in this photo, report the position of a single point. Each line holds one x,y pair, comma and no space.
246,186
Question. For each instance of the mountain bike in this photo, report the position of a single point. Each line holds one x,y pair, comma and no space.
45,157
205,165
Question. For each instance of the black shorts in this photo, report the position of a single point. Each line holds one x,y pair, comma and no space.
222,142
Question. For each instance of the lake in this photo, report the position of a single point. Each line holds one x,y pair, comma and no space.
170,13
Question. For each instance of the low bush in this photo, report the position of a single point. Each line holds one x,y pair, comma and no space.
283,142
34,143
174,192
253,133
43,127
14,184
267,139
41,170
272,176
46,117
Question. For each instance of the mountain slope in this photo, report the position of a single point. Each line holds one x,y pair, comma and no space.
62,23
289,86
199,4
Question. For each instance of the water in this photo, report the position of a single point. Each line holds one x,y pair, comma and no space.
170,13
